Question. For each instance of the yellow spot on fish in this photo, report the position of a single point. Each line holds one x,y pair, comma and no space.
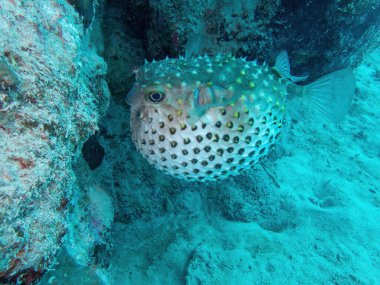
169,85
251,97
238,80
251,84
236,115
209,83
179,112
243,98
230,88
242,72
180,101
229,124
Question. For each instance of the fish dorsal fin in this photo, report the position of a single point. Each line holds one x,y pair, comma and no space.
283,67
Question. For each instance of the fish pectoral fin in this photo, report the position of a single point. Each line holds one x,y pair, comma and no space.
282,66
332,94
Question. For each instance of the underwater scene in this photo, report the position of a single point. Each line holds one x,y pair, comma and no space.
195,142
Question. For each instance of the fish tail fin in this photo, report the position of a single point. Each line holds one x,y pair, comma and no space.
282,66
332,94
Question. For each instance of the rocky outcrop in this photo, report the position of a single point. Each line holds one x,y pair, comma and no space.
47,111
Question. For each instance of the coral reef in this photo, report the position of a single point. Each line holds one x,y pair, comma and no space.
54,107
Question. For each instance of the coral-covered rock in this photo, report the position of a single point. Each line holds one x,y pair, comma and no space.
47,114
338,33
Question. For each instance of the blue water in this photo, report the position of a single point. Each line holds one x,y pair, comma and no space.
93,211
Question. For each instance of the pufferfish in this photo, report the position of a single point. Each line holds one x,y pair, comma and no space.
208,118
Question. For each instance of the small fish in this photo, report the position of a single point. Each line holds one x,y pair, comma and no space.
208,118
8,78
8,81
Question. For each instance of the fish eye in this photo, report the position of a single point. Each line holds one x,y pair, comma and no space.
155,97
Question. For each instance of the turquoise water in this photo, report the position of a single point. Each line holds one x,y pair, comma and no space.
80,204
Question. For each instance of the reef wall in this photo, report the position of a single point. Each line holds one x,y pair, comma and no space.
52,96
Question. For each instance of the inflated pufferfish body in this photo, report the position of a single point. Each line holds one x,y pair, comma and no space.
208,118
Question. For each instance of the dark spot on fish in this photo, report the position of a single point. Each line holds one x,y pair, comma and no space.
207,148
277,135
204,125
233,167
150,120
275,120
226,137
230,160
223,112
151,142
201,177
174,156
197,150
251,121
262,150
194,127
184,164
252,153
172,130
241,161
271,138
211,157
175,167
236,139
186,140
267,132
154,131
230,149
257,131
264,120
220,151
199,138
241,151
208,172
204,163
258,143
216,138
209,136
194,161
162,150
218,124
241,128
162,124
143,141
186,173
218,166
229,125
173,143
161,138
183,126
248,139
224,172
151,151
170,118
196,170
